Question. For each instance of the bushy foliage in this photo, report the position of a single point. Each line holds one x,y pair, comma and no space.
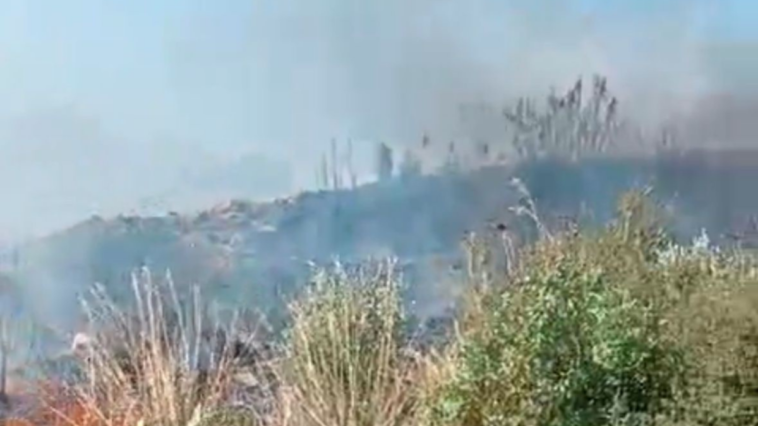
613,327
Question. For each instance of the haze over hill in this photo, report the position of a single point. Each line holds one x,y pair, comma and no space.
122,125
231,147
59,167
106,106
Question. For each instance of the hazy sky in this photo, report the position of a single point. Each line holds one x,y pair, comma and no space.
107,101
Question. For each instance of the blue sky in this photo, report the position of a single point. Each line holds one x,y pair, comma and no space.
164,85
734,20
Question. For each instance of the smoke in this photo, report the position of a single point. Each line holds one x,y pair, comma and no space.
395,68
108,107
164,89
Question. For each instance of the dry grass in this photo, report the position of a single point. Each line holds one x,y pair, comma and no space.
345,362
157,365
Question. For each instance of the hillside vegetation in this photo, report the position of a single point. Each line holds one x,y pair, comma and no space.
548,293
615,325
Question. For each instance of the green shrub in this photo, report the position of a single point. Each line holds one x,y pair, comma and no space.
619,326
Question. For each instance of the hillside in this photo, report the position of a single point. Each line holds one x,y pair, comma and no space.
257,251
245,252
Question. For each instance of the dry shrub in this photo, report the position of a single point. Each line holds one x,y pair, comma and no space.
157,365
346,361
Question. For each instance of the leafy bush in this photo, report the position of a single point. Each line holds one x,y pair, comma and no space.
619,326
